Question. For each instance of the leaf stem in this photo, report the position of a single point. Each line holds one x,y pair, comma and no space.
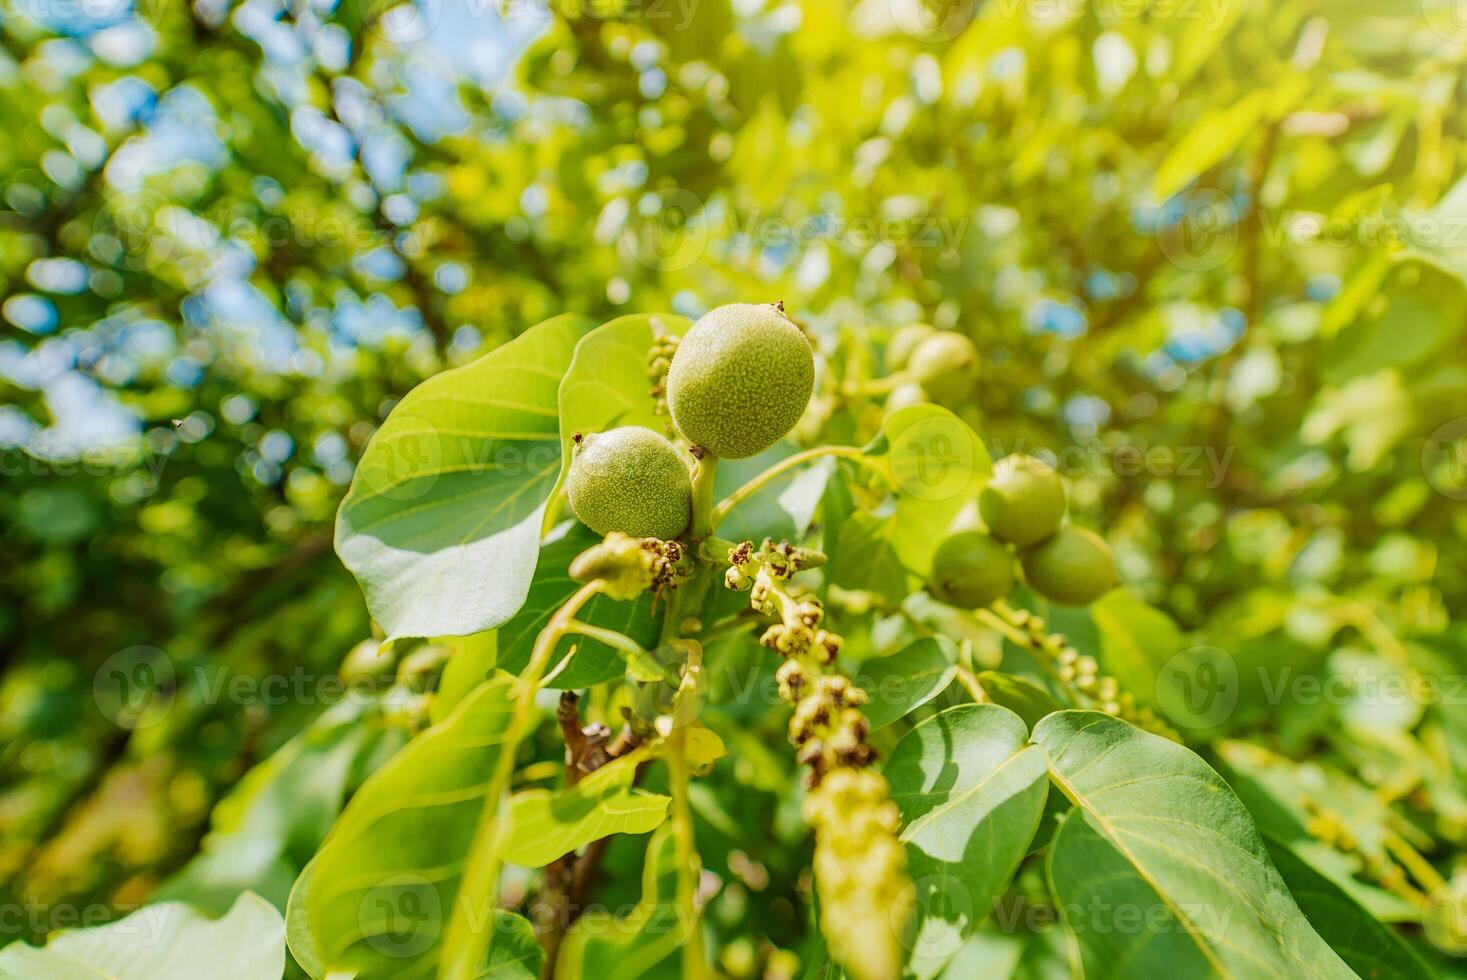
970,683
471,925
638,658
746,491
875,386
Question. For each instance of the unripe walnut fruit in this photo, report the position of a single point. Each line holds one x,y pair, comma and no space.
1024,501
946,366
740,379
1074,567
905,395
903,341
630,480
971,570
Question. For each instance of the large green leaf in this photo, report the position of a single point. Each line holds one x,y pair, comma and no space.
544,824
442,522
1371,948
1159,870
161,942
379,892
594,661
864,555
904,681
971,791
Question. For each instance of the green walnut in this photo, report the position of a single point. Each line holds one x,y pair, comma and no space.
971,570
904,395
740,379
630,480
905,340
946,366
1024,501
1074,567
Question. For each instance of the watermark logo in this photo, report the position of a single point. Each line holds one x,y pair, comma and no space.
932,20
401,21
1444,919
1444,459
1447,18
134,688
406,460
401,916
1199,232
1198,687
131,229
943,907
666,231
933,459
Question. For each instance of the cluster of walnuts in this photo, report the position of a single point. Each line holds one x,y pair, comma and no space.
1023,506
734,385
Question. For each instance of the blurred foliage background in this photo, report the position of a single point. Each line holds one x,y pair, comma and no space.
1214,253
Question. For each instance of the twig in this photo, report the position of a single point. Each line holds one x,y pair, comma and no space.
568,879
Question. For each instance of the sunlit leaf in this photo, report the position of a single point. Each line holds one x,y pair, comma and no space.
168,940
970,789
382,886
442,522
1159,868
545,824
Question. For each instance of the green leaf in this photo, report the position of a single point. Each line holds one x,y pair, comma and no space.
645,944
382,886
298,935
606,385
1159,870
904,681
158,942
594,662
937,464
970,790
864,557
472,663
1019,694
515,953
1371,948
545,825
1136,640
442,523
1418,314
934,465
